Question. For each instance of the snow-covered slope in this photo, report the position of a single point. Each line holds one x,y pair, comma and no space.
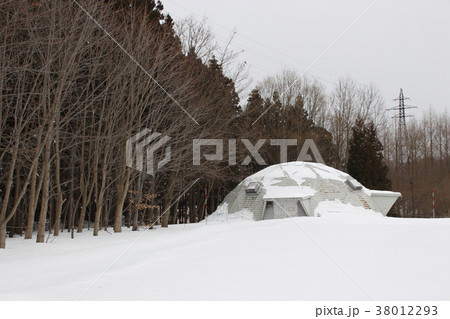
391,259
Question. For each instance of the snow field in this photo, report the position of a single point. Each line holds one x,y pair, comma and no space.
391,259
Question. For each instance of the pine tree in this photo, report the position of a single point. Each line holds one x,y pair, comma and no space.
255,104
366,161
297,118
357,153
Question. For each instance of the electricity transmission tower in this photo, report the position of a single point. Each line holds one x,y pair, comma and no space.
402,159
402,134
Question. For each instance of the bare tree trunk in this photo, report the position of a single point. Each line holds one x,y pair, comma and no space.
14,223
121,196
135,220
45,193
97,218
3,236
83,183
84,202
192,210
166,209
88,180
175,212
3,216
31,205
12,227
59,196
100,198
34,191
87,191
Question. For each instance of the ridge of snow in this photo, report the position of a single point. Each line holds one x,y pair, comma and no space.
330,208
221,215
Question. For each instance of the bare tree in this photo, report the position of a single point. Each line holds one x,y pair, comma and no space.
198,38
290,86
349,101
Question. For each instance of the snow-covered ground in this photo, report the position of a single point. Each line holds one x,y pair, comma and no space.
235,258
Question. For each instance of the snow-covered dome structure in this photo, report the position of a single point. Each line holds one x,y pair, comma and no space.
304,189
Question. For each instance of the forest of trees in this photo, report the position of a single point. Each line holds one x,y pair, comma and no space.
74,88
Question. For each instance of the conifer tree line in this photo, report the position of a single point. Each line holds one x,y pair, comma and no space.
71,97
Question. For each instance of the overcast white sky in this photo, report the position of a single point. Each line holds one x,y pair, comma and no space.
396,44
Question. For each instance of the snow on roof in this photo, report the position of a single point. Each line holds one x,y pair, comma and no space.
327,172
288,192
286,180
371,192
297,171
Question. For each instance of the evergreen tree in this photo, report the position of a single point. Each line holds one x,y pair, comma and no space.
255,105
297,118
366,161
